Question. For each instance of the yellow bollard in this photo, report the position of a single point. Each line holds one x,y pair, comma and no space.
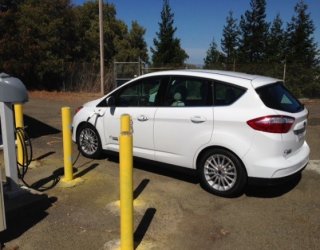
125,123
67,143
126,184
18,113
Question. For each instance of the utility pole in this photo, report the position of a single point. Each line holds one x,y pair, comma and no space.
101,46
284,70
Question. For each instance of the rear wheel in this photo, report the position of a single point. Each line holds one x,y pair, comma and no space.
222,173
88,140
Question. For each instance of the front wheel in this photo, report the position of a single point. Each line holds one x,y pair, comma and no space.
88,140
222,173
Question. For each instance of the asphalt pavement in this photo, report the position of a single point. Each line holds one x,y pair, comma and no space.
171,210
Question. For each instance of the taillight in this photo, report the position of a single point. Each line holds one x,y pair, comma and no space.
78,109
272,124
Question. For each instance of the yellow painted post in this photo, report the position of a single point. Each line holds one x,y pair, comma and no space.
67,143
125,123
18,113
126,183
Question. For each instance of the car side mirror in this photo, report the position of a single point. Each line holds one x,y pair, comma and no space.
111,101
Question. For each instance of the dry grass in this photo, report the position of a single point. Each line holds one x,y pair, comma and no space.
64,96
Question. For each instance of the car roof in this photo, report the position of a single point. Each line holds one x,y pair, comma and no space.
237,78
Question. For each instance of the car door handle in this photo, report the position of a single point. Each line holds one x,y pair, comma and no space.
198,119
143,118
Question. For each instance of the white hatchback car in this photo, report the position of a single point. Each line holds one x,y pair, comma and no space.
229,126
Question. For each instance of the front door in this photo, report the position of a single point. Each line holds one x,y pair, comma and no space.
137,99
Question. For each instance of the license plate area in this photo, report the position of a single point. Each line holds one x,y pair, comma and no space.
300,130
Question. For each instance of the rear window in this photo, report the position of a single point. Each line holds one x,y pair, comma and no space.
226,94
276,96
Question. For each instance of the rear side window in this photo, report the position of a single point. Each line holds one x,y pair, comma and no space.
226,94
188,92
276,96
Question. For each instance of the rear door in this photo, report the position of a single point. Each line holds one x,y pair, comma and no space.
184,122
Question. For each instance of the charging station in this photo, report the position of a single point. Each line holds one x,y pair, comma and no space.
12,91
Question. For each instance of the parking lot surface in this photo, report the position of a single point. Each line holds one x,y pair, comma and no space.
172,211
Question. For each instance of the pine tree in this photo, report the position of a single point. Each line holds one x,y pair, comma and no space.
276,41
301,47
302,54
115,32
46,32
213,56
230,38
167,49
254,32
137,42
10,49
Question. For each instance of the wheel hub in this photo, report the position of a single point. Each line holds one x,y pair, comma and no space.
220,172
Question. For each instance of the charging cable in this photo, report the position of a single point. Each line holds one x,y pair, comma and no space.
25,141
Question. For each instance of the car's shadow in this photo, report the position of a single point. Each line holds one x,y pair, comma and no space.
191,176
172,171
276,190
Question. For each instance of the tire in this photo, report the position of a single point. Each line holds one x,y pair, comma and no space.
222,173
88,141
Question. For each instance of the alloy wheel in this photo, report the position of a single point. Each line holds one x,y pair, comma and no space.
220,172
88,141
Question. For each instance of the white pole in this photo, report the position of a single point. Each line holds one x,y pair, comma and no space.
9,147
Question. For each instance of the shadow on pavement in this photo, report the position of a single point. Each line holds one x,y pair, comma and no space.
48,182
86,170
44,156
24,213
261,190
146,220
139,189
143,226
273,191
180,173
36,128
52,180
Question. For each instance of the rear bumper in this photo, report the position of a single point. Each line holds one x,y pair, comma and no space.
275,181
279,167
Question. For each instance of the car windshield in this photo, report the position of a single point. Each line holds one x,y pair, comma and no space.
276,96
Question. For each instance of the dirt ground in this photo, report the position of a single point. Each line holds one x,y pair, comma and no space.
172,211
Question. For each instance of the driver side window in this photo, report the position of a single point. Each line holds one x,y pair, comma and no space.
139,94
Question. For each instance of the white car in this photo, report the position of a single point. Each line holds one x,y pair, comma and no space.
231,127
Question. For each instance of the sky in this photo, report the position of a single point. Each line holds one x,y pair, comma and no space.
198,22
